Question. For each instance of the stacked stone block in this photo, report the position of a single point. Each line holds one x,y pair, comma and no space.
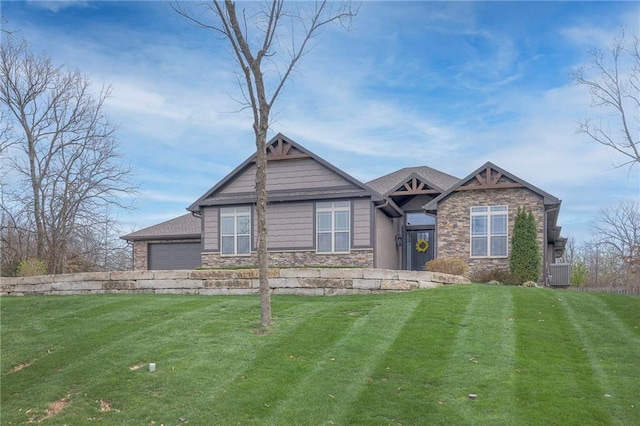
300,281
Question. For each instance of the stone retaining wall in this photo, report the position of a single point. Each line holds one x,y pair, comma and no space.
300,281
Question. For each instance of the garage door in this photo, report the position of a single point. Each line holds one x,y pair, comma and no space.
174,255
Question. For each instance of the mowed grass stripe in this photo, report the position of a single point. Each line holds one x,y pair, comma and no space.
32,340
325,393
203,369
555,383
160,329
213,368
482,360
406,387
613,352
287,358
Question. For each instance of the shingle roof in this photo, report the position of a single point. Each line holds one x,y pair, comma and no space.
185,226
434,178
205,199
548,198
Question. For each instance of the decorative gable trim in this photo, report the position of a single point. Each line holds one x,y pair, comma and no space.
414,186
489,178
281,149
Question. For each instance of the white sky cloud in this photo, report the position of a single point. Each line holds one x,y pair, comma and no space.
444,84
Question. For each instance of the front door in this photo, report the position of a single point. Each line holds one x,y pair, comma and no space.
419,248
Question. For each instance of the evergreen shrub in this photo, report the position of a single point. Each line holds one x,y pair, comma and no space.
524,262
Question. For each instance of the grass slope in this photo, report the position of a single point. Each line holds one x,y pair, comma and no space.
532,356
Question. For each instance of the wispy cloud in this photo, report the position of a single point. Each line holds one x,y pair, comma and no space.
57,5
444,84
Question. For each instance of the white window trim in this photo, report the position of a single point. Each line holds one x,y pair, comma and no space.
333,209
233,212
489,213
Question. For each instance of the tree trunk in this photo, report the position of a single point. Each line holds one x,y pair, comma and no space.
261,210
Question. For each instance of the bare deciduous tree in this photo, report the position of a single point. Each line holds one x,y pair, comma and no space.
613,79
272,34
618,227
61,152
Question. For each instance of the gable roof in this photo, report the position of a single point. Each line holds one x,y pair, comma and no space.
494,178
391,182
278,148
185,226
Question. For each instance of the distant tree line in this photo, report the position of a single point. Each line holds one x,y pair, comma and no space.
611,258
62,177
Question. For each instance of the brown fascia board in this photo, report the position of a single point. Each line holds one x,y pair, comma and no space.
195,207
549,200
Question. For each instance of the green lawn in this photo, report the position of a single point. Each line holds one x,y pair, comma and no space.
532,356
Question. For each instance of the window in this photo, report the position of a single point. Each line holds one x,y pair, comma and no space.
235,231
421,218
333,227
489,231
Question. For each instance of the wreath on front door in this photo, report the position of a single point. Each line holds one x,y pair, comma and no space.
422,246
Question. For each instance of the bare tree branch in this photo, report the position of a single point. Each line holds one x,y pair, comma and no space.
63,147
614,82
256,38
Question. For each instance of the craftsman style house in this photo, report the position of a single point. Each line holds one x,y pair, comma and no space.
319,215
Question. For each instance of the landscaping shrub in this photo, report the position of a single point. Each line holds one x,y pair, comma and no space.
453,266
579,274
495,276
31,267
524,262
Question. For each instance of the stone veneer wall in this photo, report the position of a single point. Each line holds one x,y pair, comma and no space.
279,259
454,216
140,255
300,281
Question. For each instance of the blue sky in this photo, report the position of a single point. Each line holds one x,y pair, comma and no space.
449,85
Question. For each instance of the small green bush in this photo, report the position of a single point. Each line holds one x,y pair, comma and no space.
495,276
31,267
453,266
579,274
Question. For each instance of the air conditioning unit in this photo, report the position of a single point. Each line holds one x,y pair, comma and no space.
559,275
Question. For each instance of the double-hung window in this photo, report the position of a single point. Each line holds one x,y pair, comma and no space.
333,227
489,231
235,231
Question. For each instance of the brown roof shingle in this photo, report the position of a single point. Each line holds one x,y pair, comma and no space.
435,178
185,226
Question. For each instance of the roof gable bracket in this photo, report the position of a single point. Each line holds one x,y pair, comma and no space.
283,150
490,180
414,186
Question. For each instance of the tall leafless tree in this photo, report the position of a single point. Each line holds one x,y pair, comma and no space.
618,226
613,79
63,160
271,35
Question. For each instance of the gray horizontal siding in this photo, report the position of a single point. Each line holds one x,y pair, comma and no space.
288,175
211,218
290,226
362,223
